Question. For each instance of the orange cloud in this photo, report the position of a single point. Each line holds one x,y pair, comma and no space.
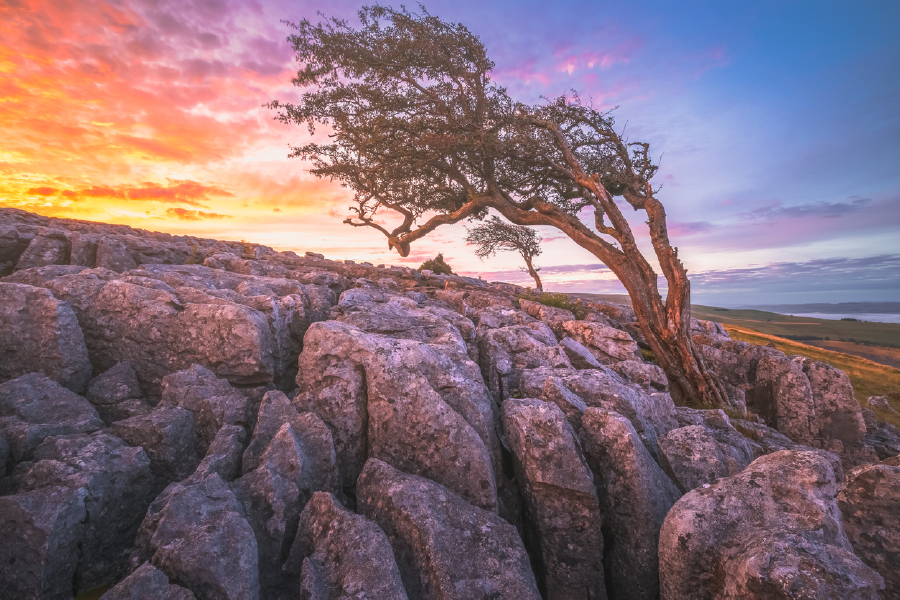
42,191
194,215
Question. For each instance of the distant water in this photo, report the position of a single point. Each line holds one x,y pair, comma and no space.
873,317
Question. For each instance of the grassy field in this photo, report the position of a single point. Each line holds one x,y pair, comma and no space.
879,334
868,378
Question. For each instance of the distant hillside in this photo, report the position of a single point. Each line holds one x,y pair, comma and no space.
823,307
874,341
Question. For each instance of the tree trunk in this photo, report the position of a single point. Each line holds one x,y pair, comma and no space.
666,325
534,275
668,333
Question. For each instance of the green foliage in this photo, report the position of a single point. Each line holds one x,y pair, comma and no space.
648,355
437,266
558,300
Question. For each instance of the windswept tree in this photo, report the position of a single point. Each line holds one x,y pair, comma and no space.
494,235
417,129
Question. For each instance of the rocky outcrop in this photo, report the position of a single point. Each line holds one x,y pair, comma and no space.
651,414
298,460
110,486
505,352
635,495
607,344
168,436
704,451
339,554
444,546
772,531
40,333
404,402
196,533
870,509
39,546
333,429
560,498
212,401
147,582
33,407
116,394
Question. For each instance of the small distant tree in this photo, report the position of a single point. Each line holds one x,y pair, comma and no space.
437,265
495,235
418,128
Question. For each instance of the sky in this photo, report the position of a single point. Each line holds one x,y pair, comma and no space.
776,125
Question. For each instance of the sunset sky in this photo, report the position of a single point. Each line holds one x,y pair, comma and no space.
778,124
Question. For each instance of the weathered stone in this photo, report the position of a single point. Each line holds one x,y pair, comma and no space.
554,317
168,437
564,522
493,317
4,456
273,495
116,394
635,496
115,385
870,419
870,508
649,377
113,255
84,249
196,533
772,531
570,404
147,582
224,454
49,247
696,455
406,402
118,487
783,398
837,411
885,439
579,356
338,554
764,440
33,407
41,334
157,334
607,344
444,547
12,245
39,545
619,312
212,400
651,414
376,311
506,352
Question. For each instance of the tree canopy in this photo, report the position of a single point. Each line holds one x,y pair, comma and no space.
417,128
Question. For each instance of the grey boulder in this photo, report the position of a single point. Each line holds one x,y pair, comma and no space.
168,436
118,487
444,547
772,531
212,400
40,333
870,508
417,406
33,407
147,582
339,554
116,393
196,533
564,522
635,496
